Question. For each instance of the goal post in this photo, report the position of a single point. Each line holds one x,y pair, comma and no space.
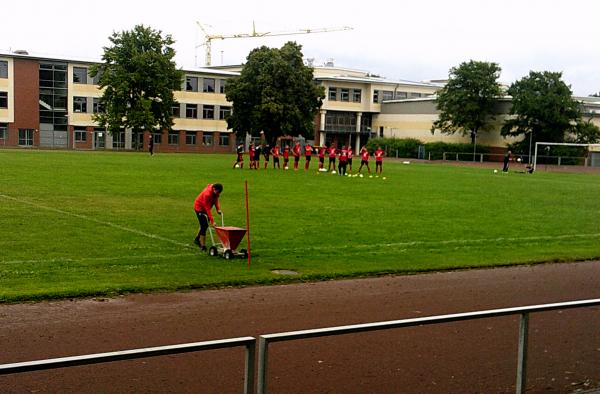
537,144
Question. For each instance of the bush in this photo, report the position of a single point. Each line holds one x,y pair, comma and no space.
406,147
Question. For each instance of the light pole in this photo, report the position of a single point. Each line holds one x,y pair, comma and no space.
530,137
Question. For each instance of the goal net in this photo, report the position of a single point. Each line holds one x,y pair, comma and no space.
545,149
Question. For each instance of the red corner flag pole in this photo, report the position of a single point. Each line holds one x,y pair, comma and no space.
248,224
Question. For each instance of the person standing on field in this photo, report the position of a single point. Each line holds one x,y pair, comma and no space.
203,204
296,150
364,159
286,157
307,156
507,157
322,157
343,161
379,153
240,156
350,153
251,156
266,154
275,152
332,152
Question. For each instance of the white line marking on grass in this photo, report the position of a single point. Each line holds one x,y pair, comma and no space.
440,242
116,258
105,223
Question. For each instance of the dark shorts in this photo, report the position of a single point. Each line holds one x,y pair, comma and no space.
378,163
332,160
364,162
203,220
240,158
321,160
276,160
285,160
296,159
266,158
350,161
308,158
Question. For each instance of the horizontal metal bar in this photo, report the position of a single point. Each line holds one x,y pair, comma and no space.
421,321
124,355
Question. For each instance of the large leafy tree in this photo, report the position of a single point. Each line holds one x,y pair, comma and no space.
138,76
544,109
466,103
274,93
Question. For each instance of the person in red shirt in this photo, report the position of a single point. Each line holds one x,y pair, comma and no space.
332,152
379,153
343,161
322,157
275,152
203,206
251,156
286,157
296,152
307,156
364,159
266,153
350,159
239,162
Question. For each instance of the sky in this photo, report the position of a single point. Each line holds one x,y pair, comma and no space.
413,40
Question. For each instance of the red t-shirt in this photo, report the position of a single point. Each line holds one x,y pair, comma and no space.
286,153
332,153
276,152
344,155
379,155
296,150
251,153
350,152
308,151
322,152
365,155
205,201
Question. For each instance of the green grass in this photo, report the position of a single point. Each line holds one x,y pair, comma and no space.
96,223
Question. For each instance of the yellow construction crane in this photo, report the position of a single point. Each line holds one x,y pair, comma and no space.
208,38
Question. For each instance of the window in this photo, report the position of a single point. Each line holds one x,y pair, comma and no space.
96,79
376,96
224,112
118,139
3,99
176,110
207,139
224,139
401,95
356,93
80,134
222,83
79,104
415,95
388,95
208,112
26,137
191,84
79,75
3,131
157,138
173,137
190,138
345,95
208,85
97,106
332,94
191,111
3,69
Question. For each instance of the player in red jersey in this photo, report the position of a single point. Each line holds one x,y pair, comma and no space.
364,159
322,157
350,153
307,156
379,153
266,153
343,161
275,152
286,157
251,156
296,150
239,162
332,152
202,206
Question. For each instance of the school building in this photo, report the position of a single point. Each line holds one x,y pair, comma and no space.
49,102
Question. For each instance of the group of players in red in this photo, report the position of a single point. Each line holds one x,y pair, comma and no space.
343,156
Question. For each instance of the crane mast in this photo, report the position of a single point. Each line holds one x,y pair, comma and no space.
208,38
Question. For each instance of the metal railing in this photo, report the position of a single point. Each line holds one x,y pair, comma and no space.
265,340
248,342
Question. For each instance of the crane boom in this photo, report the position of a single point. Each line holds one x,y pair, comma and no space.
210,37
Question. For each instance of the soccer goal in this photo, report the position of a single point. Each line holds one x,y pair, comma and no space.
547,145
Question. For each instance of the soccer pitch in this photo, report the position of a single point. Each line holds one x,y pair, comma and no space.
101,223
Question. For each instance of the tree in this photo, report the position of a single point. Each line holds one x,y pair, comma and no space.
138,76
466,103
274,93
542,108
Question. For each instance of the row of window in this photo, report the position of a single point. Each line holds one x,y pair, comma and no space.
3,99
172,138
345,94
382,95
25,135
209,85
208,111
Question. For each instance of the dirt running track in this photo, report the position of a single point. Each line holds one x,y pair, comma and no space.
462,357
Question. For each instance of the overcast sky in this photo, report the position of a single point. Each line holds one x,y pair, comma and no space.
414,40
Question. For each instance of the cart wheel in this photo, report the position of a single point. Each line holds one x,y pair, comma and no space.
244,253
213,251
228,254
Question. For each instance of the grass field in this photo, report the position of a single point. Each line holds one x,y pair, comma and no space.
101,223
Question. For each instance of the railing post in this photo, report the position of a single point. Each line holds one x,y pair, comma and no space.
522,355
249,372
261,385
